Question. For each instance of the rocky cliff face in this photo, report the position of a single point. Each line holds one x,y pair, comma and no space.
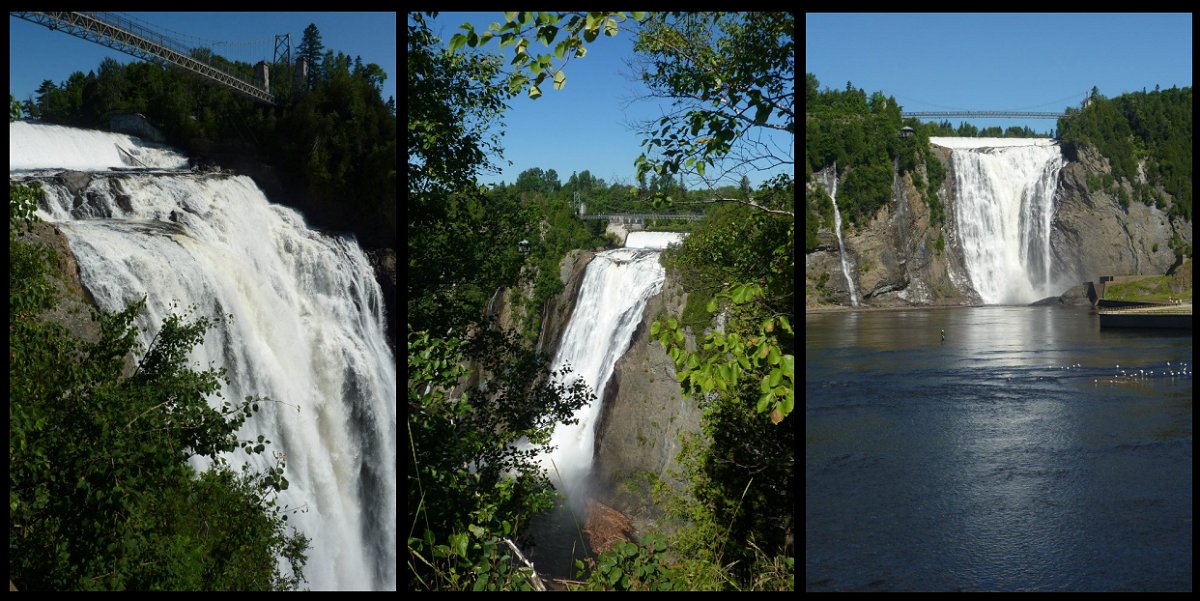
644,413
1094,236
893,258
895,262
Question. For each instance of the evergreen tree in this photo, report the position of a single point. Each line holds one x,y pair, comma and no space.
311,50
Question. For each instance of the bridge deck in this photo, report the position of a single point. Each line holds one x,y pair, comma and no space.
122,34
985,114
644,216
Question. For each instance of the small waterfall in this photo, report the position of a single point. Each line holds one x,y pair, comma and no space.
837,228
1004,211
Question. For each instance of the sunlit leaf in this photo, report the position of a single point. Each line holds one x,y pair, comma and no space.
610,28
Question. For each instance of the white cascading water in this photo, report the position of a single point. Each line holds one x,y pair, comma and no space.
1003,214
308,331
609,308
837,228
43,146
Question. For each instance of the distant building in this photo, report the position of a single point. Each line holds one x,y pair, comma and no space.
906,131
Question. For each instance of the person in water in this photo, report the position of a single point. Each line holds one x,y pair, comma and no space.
943,335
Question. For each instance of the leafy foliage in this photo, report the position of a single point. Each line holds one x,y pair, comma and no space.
469,478
1154,127
101,495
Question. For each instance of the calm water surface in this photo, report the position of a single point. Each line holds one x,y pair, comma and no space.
981,463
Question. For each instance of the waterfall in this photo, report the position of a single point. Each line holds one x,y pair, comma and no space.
837,228
308,330
609,308
41,146
1003,214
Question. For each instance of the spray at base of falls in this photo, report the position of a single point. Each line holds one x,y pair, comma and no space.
608,309
308,331
837,228
1003,214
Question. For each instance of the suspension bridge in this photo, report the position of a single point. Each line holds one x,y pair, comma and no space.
141,40
642,217
987,114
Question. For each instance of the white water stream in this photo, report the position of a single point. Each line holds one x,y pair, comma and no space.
837,228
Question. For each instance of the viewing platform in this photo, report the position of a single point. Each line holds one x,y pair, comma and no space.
1168,317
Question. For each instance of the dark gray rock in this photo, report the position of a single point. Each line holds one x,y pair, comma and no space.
643,416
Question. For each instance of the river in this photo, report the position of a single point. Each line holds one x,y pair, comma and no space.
1012,456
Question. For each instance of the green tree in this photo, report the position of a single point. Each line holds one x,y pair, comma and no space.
470,482
311,50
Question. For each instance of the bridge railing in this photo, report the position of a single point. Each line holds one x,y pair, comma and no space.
986,114
121,33
645,216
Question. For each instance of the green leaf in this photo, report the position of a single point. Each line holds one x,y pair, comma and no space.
476,530
560,49
672,323
590,35
700,168
738,294
679,336
789,363
765,384
580,52
472,39
774,376
610,28
773,356
787,405
509,16
456,42
480,584
507,527
534,92
712,306
460,542
614,576
787,325
763,112
764,401
655,328
560,80
639,16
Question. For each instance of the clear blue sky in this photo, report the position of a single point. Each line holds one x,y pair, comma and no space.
584,126
1034,62
37,53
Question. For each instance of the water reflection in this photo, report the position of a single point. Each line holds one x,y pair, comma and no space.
997,460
